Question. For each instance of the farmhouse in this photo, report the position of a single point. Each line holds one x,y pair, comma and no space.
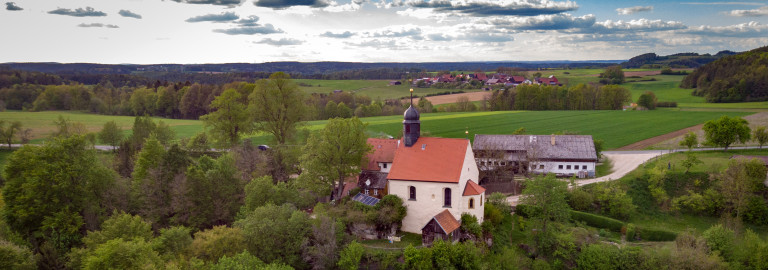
563,155
435,177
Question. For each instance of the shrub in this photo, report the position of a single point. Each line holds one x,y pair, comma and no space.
757,211
580,199
630,231
720,239
350,256
597,257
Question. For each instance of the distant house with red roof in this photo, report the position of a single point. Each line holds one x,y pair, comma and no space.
517,79
552,80
434,176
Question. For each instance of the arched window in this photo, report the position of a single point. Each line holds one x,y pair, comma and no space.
412,193
447,201
471,203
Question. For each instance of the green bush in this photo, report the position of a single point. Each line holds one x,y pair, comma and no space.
351,255
580,199
720,239
597,221
757,211
655,235
597,257
630,231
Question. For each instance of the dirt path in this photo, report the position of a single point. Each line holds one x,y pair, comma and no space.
658,139
445,99
671,139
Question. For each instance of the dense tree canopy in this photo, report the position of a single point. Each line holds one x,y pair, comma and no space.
736,78
51,190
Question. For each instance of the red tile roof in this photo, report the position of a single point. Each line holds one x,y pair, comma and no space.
472,189
430,160
518,79
383,151
446,221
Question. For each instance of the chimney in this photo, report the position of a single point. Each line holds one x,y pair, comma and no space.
553,139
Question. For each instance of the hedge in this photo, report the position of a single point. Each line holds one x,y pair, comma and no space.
655,235
597,221
666,104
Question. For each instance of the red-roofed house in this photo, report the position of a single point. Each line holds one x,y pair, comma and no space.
517,79
434,175
552,80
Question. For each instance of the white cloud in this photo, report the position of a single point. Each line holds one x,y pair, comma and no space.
633,10
640,25
744,30
544,22
758,12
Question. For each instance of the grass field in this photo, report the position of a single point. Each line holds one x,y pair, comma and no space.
42,125
375,89
616,128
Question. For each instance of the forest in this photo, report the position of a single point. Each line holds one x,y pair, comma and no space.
737,78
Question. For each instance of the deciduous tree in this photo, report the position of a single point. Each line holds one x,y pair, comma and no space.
229,120
111,134
7,132
277,106
51,188
690,140
761,135
726,131
548,195
335,152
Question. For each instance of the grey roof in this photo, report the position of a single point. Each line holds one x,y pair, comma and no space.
365,199
378,179
580,147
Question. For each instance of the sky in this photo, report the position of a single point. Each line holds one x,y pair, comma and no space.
258,31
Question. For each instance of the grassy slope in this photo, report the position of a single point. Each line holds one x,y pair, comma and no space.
713,161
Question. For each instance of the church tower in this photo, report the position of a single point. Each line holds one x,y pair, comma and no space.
411,125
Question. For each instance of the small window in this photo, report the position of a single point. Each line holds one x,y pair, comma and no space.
503,163
366,192
583,167
481,200
471,203
407,128
568,167
385,165
447,198
412,193
376,192
541,167
560,167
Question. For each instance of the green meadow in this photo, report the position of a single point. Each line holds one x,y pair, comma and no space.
616,128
